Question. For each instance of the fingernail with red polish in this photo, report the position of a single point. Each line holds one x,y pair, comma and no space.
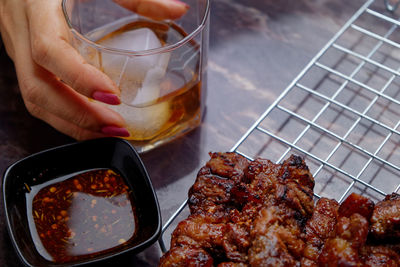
181,3
107,98
115,131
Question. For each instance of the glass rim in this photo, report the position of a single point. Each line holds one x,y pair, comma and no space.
163,49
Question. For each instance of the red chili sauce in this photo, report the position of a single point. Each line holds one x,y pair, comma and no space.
81,216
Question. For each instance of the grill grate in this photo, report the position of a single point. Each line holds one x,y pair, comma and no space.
342,112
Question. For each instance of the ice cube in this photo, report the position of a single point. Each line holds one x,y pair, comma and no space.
133,40
144,123
150,89
138,77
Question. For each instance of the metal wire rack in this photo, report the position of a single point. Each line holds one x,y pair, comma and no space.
342,112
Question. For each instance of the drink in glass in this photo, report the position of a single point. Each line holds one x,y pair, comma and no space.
159,66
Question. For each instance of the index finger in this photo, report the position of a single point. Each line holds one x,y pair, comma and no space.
51,50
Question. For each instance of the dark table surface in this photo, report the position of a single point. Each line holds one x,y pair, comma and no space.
256,48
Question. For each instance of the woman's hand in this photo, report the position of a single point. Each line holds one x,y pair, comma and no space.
55,81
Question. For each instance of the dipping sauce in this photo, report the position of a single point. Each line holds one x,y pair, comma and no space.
81,215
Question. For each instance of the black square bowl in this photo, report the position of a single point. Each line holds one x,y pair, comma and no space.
111,153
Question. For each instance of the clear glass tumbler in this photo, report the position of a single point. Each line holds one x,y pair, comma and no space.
159,66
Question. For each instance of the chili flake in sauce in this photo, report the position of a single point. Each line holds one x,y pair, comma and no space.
81,216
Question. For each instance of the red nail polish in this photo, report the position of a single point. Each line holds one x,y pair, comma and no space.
107,98
181,3
115,131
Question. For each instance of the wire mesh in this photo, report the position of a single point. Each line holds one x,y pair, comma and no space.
341,113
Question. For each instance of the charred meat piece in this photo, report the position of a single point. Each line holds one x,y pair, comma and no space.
232,264
355,203
350,232
343,250
236,242
186,257
229,165
288,204
385,220
276,238
225,241
290,183
209,194
319,228
380,256
199,230
212,188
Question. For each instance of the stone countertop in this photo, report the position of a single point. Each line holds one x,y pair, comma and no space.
256,48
